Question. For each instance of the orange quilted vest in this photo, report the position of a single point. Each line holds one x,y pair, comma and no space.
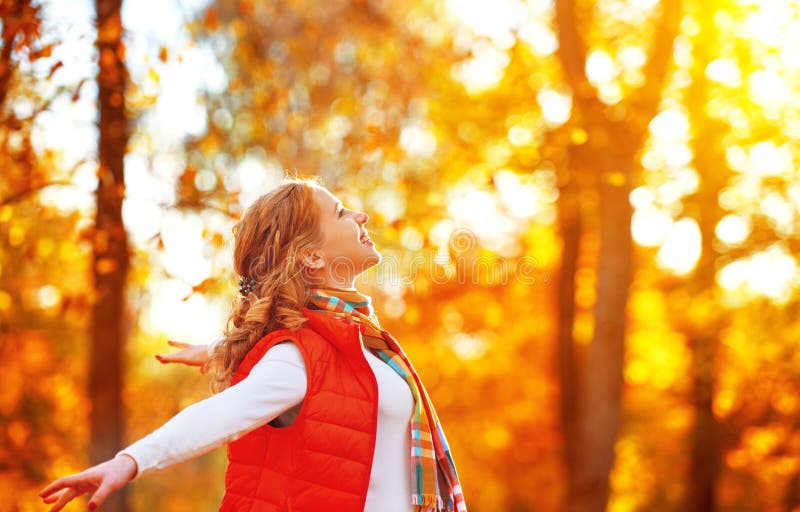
322,461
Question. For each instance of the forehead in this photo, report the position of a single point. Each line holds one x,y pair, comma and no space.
324,198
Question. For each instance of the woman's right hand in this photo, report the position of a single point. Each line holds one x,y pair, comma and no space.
191,355
103,479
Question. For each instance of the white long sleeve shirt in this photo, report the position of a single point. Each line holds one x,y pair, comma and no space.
274,388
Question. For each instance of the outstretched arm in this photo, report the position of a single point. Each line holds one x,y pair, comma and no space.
275,384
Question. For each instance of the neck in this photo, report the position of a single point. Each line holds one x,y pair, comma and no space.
337,282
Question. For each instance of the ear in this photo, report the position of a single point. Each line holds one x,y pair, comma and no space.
313,260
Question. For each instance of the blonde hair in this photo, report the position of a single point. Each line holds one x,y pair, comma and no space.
269,239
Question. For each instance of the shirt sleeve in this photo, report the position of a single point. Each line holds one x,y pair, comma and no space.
275,384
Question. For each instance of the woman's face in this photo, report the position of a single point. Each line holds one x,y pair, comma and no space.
347,250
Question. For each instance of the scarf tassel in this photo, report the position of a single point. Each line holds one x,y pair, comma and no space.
430,503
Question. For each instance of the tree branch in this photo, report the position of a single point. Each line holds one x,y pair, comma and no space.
19,196
647,98
572,51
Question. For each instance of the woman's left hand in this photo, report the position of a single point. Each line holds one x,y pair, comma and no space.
191,355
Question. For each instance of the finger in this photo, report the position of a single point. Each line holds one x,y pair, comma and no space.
57,485
171,358
99,497
178,344
174,358
55,496
63,500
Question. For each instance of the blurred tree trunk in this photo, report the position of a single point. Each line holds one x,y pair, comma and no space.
792,497
614,136
111,259
568,364
704,445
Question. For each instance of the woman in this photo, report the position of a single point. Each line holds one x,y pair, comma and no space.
319,406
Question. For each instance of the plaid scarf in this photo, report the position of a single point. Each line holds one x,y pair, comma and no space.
435,484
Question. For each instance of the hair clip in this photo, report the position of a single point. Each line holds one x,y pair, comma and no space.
247,285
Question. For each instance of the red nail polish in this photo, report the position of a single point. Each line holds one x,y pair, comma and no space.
92,505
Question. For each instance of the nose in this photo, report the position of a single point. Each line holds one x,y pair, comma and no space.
362,218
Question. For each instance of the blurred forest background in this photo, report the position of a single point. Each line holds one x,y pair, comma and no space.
589,215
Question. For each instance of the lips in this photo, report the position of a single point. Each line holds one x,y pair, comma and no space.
365,239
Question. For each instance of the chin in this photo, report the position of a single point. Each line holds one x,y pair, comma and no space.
371,260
